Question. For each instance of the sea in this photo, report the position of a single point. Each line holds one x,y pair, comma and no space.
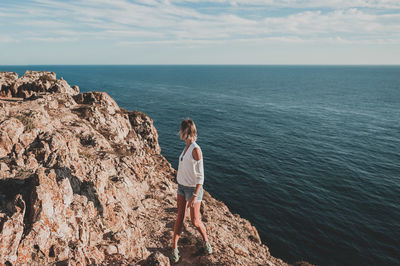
310,155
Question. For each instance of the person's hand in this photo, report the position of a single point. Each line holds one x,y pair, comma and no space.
191,201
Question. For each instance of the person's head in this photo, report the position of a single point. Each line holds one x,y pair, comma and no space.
188,130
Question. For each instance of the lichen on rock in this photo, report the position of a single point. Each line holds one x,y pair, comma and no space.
83,181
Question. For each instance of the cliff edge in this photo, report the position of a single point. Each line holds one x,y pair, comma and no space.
83,181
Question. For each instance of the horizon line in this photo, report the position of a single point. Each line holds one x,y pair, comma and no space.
200,65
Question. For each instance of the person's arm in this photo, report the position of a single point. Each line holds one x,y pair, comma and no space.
198,166
196,192
194,195
199,173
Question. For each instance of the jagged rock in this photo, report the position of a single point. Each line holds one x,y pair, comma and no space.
100,98
7,79
111,249
62,86
12,229
83,181
157,259
10,130
239,249
33,83
4,167
105,115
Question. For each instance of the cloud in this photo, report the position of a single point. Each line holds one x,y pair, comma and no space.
303,4
52,39
182,22
7,39
195,43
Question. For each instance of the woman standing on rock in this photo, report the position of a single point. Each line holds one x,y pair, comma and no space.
190,186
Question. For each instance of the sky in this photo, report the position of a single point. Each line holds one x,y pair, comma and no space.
42,32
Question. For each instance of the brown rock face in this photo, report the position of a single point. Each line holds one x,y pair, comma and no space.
33,83
83,181
7,80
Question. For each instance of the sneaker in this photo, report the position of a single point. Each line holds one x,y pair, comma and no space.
207,248
175,255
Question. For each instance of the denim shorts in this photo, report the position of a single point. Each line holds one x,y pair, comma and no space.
188,192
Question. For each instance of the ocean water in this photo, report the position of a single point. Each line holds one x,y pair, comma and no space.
309,154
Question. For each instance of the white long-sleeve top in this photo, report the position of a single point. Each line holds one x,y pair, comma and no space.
190,171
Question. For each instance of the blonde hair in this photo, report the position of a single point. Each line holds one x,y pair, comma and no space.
188,130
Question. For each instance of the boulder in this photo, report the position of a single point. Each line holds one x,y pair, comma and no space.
33,83
157,259
7,79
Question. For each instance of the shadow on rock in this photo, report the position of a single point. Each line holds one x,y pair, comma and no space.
10,188
84,188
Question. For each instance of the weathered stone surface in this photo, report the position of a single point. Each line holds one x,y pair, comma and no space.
11,232
83,181
239,249
157,259
10,130
7,79
33,83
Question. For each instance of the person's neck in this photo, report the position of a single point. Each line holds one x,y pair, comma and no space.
188,142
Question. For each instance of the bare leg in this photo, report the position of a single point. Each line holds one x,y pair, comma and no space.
196,221
181,203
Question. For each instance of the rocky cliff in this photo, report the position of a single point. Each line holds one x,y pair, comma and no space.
83,181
